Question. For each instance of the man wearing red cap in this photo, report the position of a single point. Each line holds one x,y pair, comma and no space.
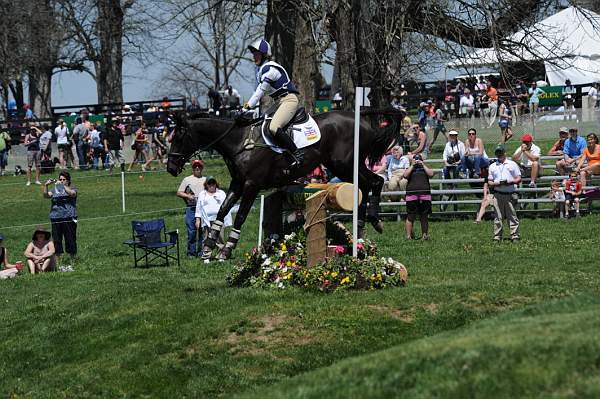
189,189
528,157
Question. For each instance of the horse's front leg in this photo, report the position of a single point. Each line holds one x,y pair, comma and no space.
234,193
369,183
248,196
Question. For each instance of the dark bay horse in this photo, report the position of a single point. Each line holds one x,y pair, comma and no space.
260,168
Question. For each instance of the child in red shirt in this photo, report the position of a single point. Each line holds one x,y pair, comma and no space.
573,190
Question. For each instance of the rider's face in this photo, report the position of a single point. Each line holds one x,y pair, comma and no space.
258,57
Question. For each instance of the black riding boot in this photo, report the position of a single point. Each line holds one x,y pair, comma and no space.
285,141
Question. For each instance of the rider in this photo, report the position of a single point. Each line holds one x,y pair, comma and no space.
272,78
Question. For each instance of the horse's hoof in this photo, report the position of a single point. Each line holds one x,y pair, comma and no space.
378,226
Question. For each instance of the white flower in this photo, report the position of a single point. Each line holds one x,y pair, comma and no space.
280,285
267,262
206,260
264,256
391,261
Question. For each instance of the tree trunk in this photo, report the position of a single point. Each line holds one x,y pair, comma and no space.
306,64
109,67
40,91
345,57
280,30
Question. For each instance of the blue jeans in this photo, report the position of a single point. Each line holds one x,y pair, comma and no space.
81,150
3,158
454,169
194,244
476,162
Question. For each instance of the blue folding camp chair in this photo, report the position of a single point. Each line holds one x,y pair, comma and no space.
150,243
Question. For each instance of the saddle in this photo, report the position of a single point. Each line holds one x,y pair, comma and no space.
299,117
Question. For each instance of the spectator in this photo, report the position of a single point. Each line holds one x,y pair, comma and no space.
63,213
46,142
96,146
528,156
32,142
485,202
572,152
379,167
439,125
534,99
207,208
503,179
568,94
454,155
397,165
557,195
337,100
40,252
557,147
139,145
4,255
592,154
165,104
5,144
418,196
189,189
504,120
158,145
193,107
492,102
467,104
28,112
592,98
113,146
81,138
62,139
216,102
422,147
318,175
232,98
475,156
405,130
573,190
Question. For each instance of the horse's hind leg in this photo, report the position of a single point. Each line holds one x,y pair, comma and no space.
248,196
234,193
370,183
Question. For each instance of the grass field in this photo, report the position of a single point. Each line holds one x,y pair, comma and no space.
477,319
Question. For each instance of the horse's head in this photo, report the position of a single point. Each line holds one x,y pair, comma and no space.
182,146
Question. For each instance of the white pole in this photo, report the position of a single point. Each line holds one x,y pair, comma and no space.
358,100
123,186
260,220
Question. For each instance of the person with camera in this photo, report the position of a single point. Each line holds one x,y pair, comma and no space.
63,213
454,154
418,196
504,175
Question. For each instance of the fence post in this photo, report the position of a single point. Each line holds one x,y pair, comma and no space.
123,185
260,220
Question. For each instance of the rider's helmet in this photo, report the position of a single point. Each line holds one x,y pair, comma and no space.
262,46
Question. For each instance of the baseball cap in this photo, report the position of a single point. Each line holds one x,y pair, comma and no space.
197,163
210,179
500,150
453,133
564,129
573,129
526,138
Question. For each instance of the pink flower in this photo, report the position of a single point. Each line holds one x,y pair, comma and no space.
340,250
360,246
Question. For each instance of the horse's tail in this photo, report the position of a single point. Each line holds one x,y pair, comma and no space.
386,125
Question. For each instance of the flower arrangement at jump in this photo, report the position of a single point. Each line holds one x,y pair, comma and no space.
282,263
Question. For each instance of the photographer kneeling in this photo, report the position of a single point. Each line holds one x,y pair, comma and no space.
418,196
504,175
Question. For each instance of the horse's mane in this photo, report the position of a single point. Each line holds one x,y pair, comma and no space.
386,125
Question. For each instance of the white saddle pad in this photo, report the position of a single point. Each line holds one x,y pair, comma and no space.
305,134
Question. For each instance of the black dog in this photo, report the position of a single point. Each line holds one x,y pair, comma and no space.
19,170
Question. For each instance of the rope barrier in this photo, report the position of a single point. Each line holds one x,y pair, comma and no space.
121,215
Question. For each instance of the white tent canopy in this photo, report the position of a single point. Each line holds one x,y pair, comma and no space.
568,42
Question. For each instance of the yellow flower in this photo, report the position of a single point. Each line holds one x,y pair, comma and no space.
283,247
345,280
334,274
288,263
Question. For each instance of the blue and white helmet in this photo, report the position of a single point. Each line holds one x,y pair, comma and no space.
262,46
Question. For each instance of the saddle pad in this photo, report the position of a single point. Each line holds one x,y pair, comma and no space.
305,134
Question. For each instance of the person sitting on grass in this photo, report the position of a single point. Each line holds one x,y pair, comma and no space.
40,252
528,157
10,270
591,154
573,190
418,196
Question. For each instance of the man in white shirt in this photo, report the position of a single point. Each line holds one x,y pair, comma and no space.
504,175
189,189
528,157
46,141
454,155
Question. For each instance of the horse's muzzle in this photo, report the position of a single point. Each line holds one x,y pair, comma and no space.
175,163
